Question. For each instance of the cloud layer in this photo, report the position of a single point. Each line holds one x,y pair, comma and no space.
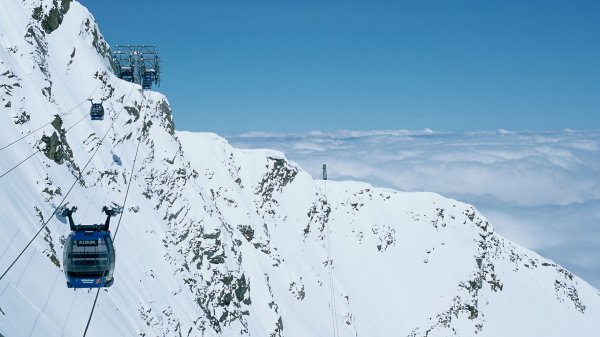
540,189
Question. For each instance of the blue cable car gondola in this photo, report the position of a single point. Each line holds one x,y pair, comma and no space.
89,254
146,82
148,77
97,111
127,73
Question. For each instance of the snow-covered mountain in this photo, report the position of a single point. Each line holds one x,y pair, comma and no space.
218,241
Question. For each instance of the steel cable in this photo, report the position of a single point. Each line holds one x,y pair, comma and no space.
120,217
68,192
50,122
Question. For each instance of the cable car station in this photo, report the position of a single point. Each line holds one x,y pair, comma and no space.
137,64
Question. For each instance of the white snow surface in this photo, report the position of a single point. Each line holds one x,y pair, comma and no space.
219,241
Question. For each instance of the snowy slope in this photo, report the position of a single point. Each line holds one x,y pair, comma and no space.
218,241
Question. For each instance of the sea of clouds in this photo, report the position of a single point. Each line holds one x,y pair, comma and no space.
539,189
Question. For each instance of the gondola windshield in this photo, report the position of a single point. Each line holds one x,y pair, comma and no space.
89,256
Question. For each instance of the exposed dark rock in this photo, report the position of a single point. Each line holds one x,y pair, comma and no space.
247,232
98,41
167,117
297,290
51,21
569,291
57,148
51,254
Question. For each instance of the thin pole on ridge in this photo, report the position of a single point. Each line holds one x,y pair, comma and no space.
329,263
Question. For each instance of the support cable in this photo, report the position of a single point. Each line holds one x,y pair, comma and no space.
121,216
39,150
79,177
67,130
336,331
50,122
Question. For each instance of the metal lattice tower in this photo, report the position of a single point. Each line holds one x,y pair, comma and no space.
324,172
137,64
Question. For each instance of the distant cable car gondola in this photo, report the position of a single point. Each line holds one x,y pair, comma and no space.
89,254
97,111
127,73
147,81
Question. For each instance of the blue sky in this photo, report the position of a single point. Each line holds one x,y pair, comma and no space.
293,66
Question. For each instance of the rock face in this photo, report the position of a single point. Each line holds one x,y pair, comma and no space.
218,241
